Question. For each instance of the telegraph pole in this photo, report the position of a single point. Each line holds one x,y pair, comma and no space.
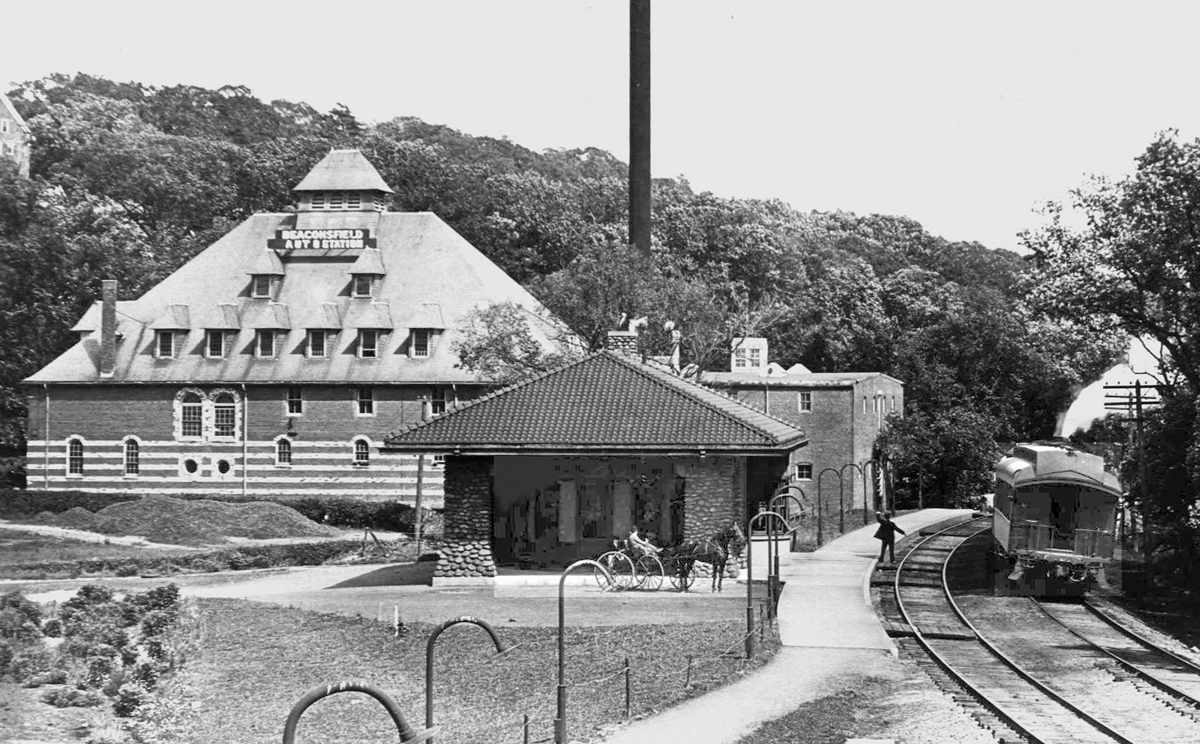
1135,402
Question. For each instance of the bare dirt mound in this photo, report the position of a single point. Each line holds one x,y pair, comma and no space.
192,522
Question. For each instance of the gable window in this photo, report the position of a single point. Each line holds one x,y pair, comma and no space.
295,401
755,355
224,416
283,453
368,344
318,200
353,200
335,199
215,344
264,345
739,357
75,457
164,344
366,401
362,453
192,415
132,452
316,344
805,402
420,342
437,403
804,471
260,286
362,285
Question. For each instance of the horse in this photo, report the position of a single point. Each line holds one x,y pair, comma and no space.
715,549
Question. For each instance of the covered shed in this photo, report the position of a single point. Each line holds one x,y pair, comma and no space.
552,467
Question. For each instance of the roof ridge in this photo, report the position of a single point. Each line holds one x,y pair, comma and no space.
643,367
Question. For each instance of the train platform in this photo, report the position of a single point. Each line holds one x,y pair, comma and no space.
830,633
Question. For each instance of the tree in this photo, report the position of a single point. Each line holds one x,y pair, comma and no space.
499,343
947,459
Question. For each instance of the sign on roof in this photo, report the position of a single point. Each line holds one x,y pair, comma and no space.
319,240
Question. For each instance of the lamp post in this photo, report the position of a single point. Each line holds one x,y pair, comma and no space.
560,720
429,658
782,495
841,497
750,576
842,474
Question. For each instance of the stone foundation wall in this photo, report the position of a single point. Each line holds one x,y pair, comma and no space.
467,551
714,496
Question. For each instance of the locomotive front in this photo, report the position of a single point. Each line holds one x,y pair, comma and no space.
1055,515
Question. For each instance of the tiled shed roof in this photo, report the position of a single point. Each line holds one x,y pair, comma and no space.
604,403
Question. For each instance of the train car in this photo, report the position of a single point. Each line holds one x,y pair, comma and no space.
1054,516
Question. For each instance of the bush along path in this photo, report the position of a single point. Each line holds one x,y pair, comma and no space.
98,651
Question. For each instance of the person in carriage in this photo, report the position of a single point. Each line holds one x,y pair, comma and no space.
640,545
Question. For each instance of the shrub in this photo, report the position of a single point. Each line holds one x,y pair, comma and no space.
52,628
30,663
48,677
127,569
68,697
128,699
17,627
6,655
204,565
159,599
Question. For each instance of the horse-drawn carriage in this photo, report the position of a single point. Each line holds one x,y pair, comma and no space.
635,563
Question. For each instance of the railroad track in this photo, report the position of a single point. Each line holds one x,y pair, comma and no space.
1022,702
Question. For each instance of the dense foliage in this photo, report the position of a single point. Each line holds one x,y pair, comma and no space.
131,181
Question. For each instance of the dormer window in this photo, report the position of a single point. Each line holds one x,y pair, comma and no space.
368,343
318,341
264,344
164,344
362,285
214,344
421,343
260,286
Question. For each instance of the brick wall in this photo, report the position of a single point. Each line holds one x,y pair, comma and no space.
467,548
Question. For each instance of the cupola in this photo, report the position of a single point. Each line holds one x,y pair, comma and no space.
344,181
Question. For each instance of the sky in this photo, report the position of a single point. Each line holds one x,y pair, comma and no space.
963,116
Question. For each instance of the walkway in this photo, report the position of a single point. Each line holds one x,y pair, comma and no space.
830,637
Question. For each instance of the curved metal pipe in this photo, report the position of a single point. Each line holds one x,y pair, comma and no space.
841,497
560,720
407,734
429,658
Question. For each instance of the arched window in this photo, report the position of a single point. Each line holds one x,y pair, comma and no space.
192,415
132,450
75,457
362,452
224,416
283,452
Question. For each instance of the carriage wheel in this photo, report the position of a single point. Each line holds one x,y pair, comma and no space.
620,568
686,582
650,573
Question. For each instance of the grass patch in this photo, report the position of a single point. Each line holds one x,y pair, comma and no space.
257,660
828,720
17,548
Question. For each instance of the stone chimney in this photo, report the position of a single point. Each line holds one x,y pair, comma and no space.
108,327
624,343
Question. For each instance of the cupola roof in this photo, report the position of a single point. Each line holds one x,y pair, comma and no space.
343,170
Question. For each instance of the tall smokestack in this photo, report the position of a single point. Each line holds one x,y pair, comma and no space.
639,125
108,327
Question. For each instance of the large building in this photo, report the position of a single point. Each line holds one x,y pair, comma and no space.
842,412
274,362
14,136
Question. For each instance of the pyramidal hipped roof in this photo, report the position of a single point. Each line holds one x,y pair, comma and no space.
343,170
604,403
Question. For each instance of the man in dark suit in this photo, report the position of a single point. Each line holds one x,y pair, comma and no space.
887,534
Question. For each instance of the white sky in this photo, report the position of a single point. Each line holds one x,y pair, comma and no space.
963,116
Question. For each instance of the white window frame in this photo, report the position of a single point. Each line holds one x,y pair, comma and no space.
135,461
360,400
256,286
438,400
232,406
373,347
739,358
356,288
426,335
259,342
804,402
209,337
284,449
293,405
182,419
754,357
801,468
324,336
169,338
361,446
76,463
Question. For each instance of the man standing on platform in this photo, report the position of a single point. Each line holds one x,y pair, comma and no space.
887,534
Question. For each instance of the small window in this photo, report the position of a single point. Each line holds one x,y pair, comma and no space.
3,126
739,357
316,344
755,357
804,471
191,467
224,416
805,402
261,286
223,467
164,344
215,344
264,347
368,344
366,401
362,453
420,343
893,403
864,404
318,200
192,416
132,452
295,401
362,285
283,452
439,461
437,403
335,199
75,457
354,200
